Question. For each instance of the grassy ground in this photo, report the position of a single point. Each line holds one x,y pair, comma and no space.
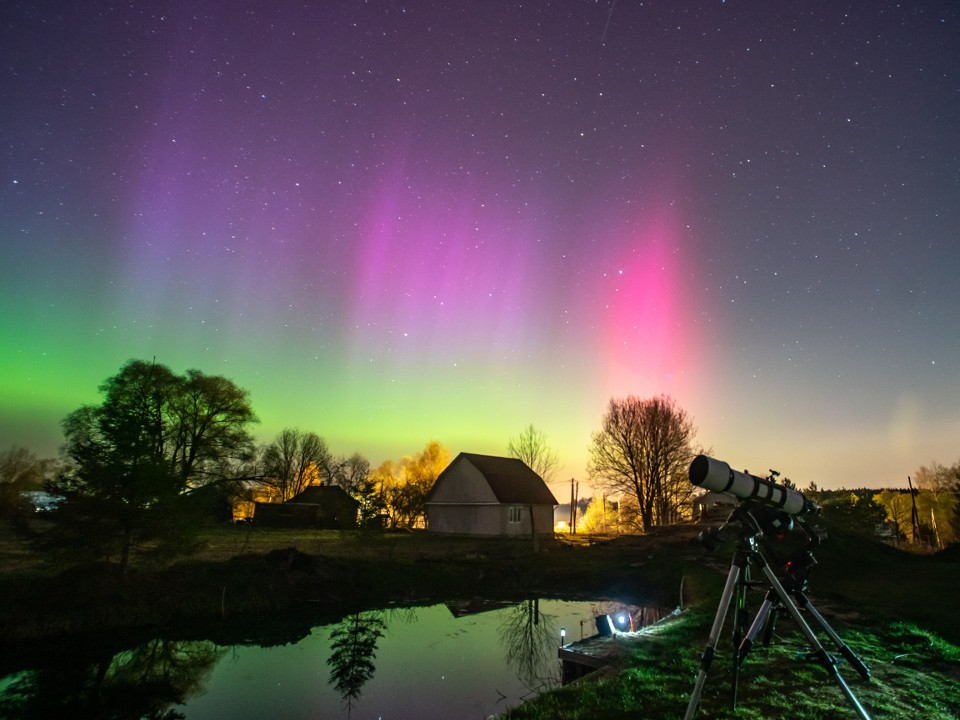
893,609
914,675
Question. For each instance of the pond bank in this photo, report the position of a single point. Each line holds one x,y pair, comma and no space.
342,577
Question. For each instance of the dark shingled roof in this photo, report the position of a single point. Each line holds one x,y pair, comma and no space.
511,480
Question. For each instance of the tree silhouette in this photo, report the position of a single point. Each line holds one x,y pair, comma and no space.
294,461
531,446
156,438
643,450
143,682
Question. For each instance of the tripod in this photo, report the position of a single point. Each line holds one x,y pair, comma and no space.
748,555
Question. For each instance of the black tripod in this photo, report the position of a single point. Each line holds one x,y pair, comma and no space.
748,555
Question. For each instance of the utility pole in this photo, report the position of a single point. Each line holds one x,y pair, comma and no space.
571,504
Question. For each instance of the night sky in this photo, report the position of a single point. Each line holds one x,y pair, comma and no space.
396,222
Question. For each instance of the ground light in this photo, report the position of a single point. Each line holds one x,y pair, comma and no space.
605,625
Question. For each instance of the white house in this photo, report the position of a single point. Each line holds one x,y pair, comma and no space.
489,495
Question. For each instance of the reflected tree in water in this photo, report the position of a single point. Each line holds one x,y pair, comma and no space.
353,648
530,640
145,682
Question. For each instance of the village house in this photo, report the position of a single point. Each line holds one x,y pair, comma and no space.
326,507
491,496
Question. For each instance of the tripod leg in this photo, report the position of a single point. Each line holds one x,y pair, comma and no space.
828,664
747,643
707,657
844,649
770,629
739,630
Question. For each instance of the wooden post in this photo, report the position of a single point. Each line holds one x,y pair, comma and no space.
576,499
914,516
533,529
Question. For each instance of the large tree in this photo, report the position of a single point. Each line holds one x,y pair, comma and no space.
532,447
643,450
154,439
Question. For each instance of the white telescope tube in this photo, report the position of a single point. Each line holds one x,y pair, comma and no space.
716,475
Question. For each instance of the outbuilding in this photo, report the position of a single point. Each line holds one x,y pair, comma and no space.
491,496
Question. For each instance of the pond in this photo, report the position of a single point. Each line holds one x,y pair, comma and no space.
465,660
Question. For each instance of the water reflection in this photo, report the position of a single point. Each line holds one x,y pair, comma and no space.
460,660
353,648
144,682
529,638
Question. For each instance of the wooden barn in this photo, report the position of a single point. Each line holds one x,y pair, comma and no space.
319,506
491,496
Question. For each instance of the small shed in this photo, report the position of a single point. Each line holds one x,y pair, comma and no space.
320,506
489,495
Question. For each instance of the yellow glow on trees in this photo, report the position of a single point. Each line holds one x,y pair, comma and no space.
402,486
600,517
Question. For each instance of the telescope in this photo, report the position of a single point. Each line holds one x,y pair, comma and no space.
716,475
765,506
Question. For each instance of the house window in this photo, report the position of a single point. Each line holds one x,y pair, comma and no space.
516,513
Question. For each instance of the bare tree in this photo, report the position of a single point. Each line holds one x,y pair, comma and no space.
531,447
349,473
937,479
643,450
295,460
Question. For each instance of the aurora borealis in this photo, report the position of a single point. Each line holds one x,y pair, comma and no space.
397,222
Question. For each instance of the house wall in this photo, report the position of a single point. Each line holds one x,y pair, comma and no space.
487,519
464,519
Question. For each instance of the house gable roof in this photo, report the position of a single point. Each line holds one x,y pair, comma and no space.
511,480
322,495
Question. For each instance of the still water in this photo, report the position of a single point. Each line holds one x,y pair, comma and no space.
454,660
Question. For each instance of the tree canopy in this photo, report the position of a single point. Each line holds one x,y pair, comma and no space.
156,437
401,487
